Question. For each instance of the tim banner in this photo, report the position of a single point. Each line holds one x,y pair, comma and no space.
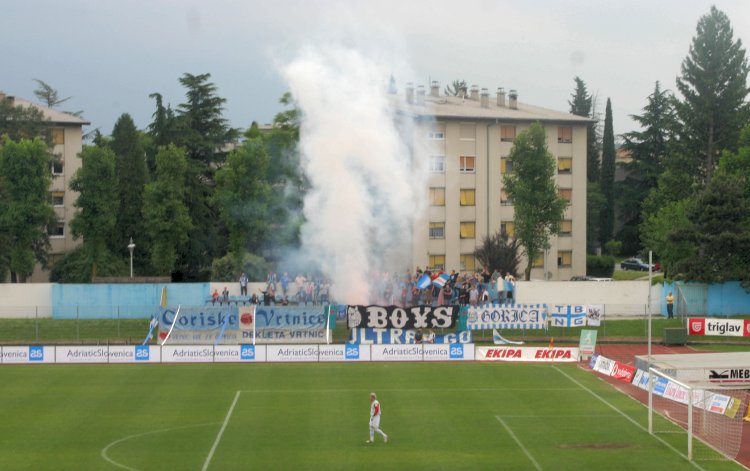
562,315
507,316
719,327
394,317
404,336
232,324
531,354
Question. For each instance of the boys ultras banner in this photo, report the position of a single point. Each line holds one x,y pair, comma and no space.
394,317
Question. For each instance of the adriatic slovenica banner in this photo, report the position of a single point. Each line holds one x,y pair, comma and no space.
240,325
507,316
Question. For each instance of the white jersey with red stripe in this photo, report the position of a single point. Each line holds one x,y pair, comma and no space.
375,409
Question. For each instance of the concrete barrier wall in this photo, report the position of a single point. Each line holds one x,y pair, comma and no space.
621,298
23,300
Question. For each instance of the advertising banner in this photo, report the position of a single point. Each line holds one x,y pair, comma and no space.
604,365
568,316
187,354
396,352
623,372
535,354
134,354
587,343
730,375
394,317
719,327
85,354
30,354
507,316
291,353
402,336
348,352
448,352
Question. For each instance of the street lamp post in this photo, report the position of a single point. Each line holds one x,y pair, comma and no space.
131,246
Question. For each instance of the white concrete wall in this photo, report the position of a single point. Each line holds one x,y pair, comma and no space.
22,300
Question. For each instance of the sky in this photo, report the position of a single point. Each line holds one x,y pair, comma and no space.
110,55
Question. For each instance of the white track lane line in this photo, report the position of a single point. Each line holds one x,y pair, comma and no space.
518,442
221,432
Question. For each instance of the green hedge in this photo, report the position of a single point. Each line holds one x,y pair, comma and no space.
600,266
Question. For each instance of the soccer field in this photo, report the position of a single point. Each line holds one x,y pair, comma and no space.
315,416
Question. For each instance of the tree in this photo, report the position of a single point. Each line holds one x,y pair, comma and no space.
23,122
608,178
713,83
454,88
131,174
97,204
538,207
48,95
165,213
648,149
243,194
26,210
582,105
499,252
656,231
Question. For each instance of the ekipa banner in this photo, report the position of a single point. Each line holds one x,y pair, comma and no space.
719,327
534,354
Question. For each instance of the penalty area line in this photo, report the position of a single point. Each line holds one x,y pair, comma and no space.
221,432
518,442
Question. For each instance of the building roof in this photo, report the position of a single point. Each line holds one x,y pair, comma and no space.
454,107
55,116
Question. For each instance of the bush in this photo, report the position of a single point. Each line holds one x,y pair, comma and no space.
600,266
613,247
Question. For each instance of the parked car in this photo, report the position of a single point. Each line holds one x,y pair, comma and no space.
634,264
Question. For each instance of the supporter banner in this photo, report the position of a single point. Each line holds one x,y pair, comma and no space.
396,352
507,316
284,336
291,353
623,372
568,316
402,336
394,317
594,314
720,327
31,354
559,354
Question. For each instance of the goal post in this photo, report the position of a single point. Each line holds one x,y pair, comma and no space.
711,416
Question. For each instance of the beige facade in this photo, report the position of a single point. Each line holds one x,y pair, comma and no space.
67,143
466,142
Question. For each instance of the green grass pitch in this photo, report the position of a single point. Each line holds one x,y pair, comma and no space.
472,416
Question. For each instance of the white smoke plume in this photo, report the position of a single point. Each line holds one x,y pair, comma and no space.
365,189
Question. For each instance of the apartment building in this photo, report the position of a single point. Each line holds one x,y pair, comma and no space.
467,139
67,143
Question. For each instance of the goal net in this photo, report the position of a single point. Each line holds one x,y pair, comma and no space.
710,415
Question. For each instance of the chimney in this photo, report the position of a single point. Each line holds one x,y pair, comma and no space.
409,93
501,97
420,95
462,92
435,89
513,100
485,98
475,93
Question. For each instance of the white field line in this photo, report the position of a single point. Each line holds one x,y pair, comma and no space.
105,450
400,390
518,442
221,432
630,419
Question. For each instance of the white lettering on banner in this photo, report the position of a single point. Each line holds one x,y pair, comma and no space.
561,354
387,317
507,316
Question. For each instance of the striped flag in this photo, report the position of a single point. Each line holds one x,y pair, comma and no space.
423,281
441,280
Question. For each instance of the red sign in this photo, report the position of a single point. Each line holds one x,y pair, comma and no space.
623,372
696,326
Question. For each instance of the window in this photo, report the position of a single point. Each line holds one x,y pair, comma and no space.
57,198
564,164
468,197
437,262
566,227
505,199
538,261
437,163
468,230
56,229
437,196
57,164
467,132
468,262
507,133
436,135
508,228
437,230
565,193
58,136
466,163
564,134
564,258
506,165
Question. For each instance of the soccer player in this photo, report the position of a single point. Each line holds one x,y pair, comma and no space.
375,419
